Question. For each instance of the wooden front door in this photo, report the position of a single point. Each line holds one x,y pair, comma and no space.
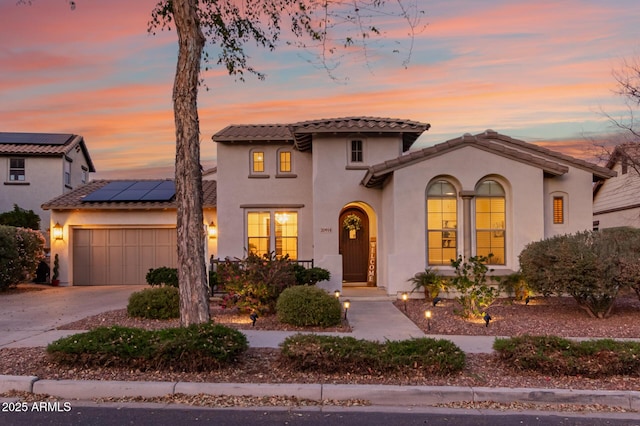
354,246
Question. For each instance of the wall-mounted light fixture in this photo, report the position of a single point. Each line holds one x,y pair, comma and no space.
213,230
57,231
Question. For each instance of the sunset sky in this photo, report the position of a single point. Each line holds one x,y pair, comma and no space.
539,70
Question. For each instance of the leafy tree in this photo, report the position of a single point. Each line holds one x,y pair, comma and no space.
21,218
229,25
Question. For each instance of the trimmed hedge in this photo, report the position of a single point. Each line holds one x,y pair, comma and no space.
557,356
332,354
155,303
162,275
199,347
308,306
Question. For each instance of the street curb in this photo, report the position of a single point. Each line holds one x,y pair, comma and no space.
381,395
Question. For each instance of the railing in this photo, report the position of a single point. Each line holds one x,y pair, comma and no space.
214,262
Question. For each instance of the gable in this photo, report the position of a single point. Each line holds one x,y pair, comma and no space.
552,163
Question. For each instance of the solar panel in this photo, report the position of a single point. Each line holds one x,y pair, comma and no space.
35,138
148,190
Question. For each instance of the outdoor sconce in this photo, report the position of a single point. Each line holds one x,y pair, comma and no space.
337,294
346,304
405,297
213,230
427,315
57,231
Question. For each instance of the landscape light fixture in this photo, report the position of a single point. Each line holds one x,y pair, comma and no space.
253,317
427,315
436,300
337,294
486,318
213,230
405,297
57,231
346,304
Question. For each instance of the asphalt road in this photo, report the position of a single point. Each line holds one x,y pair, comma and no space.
157,416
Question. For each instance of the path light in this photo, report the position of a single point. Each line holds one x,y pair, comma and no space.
405,297
486,318
436,300
346,304
253,317
427,315
337,294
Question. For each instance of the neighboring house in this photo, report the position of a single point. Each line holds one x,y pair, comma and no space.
616,201
114,231
38,166
349,194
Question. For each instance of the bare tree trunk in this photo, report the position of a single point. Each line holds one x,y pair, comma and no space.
194,301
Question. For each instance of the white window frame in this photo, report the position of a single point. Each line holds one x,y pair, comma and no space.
17,177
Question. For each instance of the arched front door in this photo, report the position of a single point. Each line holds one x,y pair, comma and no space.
354,244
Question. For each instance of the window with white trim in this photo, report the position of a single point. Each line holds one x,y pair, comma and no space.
273,231
357,153
442,218
16,169
491,221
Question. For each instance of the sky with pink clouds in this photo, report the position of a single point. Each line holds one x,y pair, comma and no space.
539,70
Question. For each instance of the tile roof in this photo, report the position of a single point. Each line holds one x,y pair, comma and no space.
551,162
73,200
301,133
42,144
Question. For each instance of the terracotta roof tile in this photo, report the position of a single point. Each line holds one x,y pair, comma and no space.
550,161
42,144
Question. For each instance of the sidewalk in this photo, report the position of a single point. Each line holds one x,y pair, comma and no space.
372,316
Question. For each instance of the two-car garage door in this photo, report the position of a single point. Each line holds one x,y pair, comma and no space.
121,256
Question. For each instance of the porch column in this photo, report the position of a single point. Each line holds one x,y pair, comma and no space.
467,196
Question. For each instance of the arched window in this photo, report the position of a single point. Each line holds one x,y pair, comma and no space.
442,217
491,221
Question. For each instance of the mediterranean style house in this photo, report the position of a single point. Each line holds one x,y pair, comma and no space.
616,201
351,195
38,166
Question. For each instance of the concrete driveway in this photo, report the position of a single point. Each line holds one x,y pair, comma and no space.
28,318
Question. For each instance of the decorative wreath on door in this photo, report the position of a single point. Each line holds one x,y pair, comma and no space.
352,223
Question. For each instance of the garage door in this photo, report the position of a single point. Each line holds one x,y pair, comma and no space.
121,256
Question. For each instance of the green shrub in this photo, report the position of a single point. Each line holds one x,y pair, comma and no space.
308,306
346,355
430,282
590,266
470,281
554,355
162,276
255,283
155,303
21,250
198,347
514,285
310,276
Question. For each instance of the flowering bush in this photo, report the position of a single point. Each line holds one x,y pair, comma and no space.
20,252
254,283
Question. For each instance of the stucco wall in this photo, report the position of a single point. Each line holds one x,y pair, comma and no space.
236,188
464,167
